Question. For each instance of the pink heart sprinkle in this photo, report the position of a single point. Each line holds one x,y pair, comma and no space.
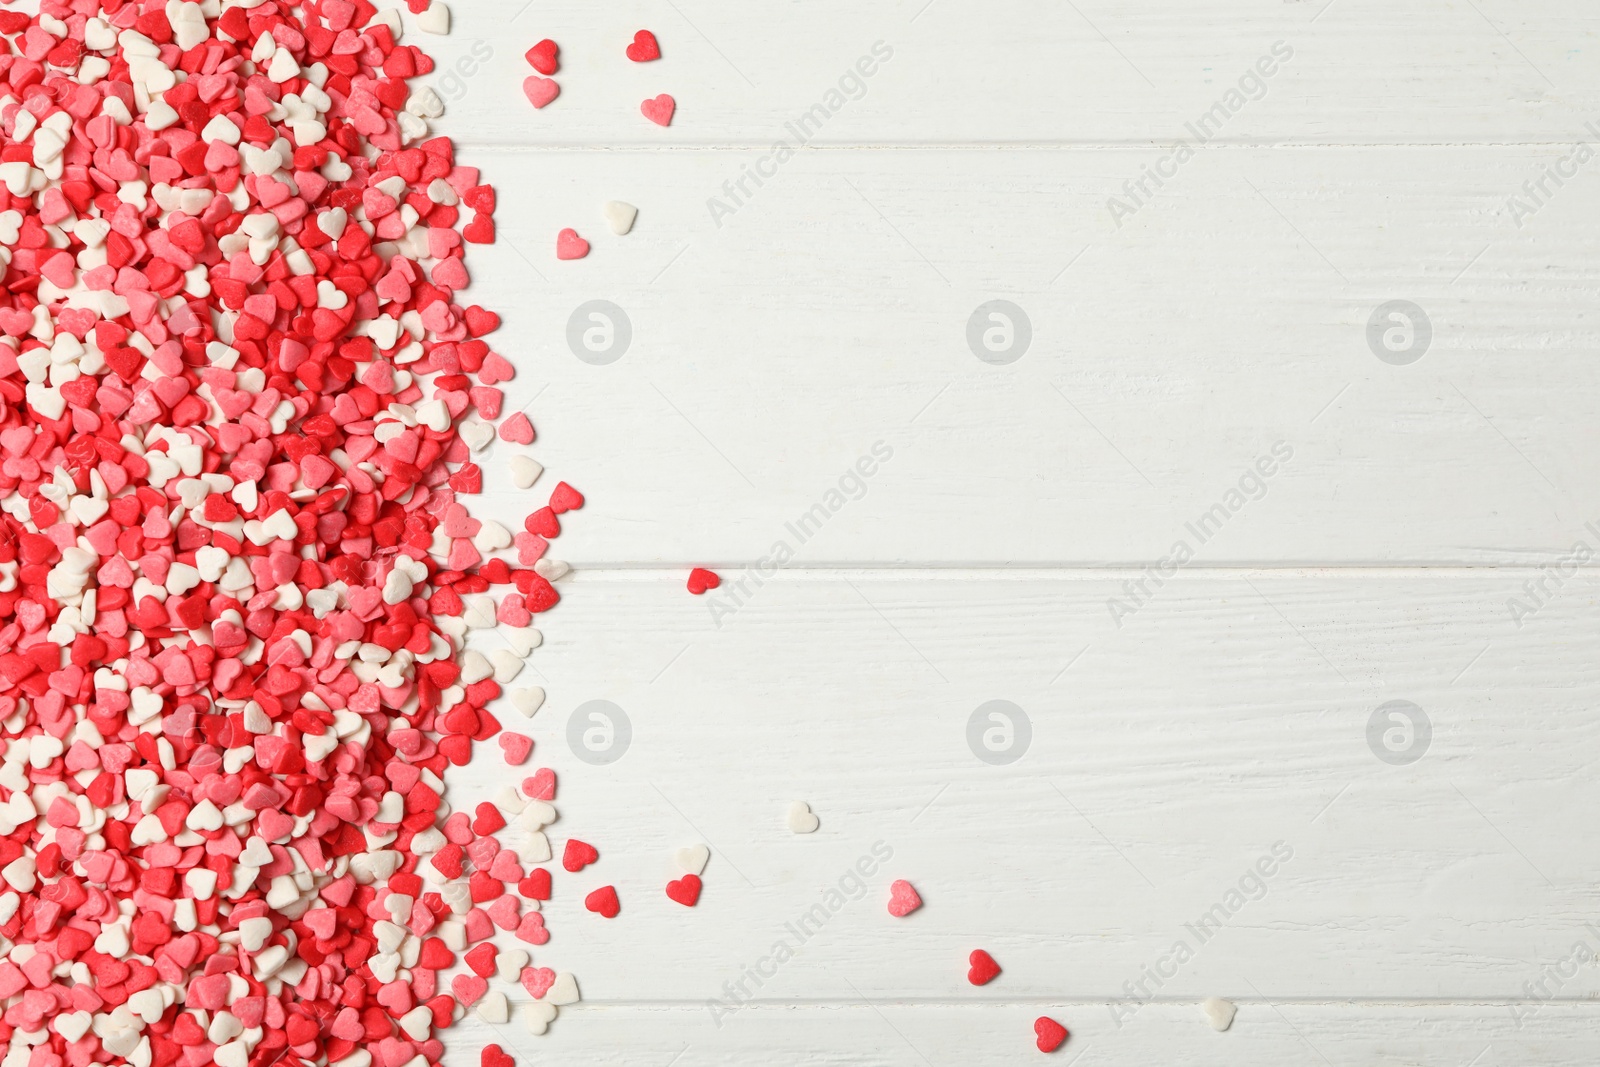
517,429
540,91
468,988
537,980
516,746
659,110
570,246
903,899
541,786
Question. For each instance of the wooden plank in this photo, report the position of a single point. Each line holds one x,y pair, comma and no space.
1166,758
1168,357
1098,72
1264,1034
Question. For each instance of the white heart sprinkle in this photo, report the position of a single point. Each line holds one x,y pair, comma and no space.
563,991
525,471
476,433
801,819
693,859
522,639
540,1014
73,1025
436,19
1219,1012
494,1008
551,569
508,964
527,701
620,216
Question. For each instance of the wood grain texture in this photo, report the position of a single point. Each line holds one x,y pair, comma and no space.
1097,72
1166,758
1012,543
1229,314
1265,1034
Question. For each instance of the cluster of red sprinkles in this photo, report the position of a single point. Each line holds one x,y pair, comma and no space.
239,405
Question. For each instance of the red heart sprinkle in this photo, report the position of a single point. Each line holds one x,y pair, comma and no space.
565,498
495,1056
603,901
481,959
543,522
1050,1033
685,890
578,855
536,886
488,819
659,110
644,48
983,969
701,579
544,57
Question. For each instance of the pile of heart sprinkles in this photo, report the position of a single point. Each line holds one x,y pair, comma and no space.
241,403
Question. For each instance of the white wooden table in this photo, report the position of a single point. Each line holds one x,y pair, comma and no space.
1434,908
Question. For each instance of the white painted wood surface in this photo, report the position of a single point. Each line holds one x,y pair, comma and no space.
1227,708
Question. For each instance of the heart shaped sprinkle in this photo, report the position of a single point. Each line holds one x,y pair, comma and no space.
693,859
903,899
481,959
537,981
701,579
539,91
659,110
517,429
532,929
544,57
539,1015
982,969
516,747
564,498
1219,1012
801,819
524,471
604,902
570,246
564,990
1049,1033
527,701
468,988
619,216
644,48
495,1056
685,890
578,855
536,886
540,785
